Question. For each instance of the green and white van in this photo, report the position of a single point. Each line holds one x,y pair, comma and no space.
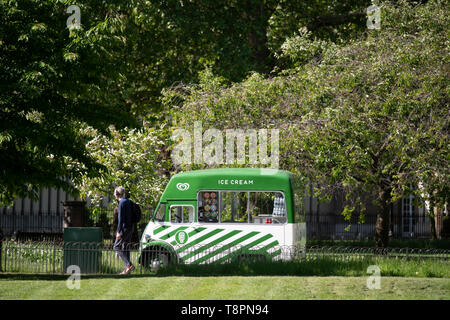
218,215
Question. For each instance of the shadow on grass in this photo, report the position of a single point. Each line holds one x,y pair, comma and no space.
63,277
319,267
322,267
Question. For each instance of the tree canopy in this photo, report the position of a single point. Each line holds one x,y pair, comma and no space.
369,119
51,82
112,70
363,112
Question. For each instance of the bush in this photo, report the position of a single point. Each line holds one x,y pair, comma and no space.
393,243
323,266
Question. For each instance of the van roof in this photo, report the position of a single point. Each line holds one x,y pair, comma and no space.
185,185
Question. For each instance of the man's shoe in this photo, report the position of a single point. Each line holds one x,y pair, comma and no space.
129,269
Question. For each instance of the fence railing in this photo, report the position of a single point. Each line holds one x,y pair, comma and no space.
335,227
99,258
346,253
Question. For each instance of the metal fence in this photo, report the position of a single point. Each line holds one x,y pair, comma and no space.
335,227
396,253
321,227
100,258
50,227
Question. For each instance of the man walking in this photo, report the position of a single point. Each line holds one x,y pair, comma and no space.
124,229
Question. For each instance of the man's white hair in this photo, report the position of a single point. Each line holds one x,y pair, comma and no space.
119,191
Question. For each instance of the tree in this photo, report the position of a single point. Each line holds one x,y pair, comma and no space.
368,118
52,82
170,42
134,159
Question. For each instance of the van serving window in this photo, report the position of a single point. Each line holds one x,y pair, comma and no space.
267,207
225,206
234,206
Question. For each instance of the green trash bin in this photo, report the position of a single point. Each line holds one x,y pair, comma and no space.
83,248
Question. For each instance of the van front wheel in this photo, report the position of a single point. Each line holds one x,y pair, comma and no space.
156,256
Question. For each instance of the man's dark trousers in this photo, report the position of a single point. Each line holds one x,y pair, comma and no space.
121,246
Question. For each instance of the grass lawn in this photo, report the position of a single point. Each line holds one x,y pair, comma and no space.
14,286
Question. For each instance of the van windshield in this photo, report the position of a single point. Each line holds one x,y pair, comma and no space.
160,212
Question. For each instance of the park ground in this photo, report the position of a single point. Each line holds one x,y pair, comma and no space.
134,287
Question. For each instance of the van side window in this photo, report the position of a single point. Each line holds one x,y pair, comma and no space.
181,214
233,207
161,212
267,207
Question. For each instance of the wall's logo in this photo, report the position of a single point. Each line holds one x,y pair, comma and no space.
181,237
183,186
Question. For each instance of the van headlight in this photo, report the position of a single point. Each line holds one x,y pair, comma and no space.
147,237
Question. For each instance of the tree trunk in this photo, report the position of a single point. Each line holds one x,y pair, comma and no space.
257,15
432,228
382,224
438,223
432,221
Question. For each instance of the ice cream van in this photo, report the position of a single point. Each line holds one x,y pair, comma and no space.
224,215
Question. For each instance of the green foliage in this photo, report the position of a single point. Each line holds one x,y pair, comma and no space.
31,257
134,158
53,80
368,117
99,217
359,111
301,49
323,266
327,19
45,97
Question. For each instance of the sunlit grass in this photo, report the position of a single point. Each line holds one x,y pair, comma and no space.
221,287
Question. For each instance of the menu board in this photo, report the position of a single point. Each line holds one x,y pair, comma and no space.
208,206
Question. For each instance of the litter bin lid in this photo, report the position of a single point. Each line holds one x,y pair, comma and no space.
74,234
